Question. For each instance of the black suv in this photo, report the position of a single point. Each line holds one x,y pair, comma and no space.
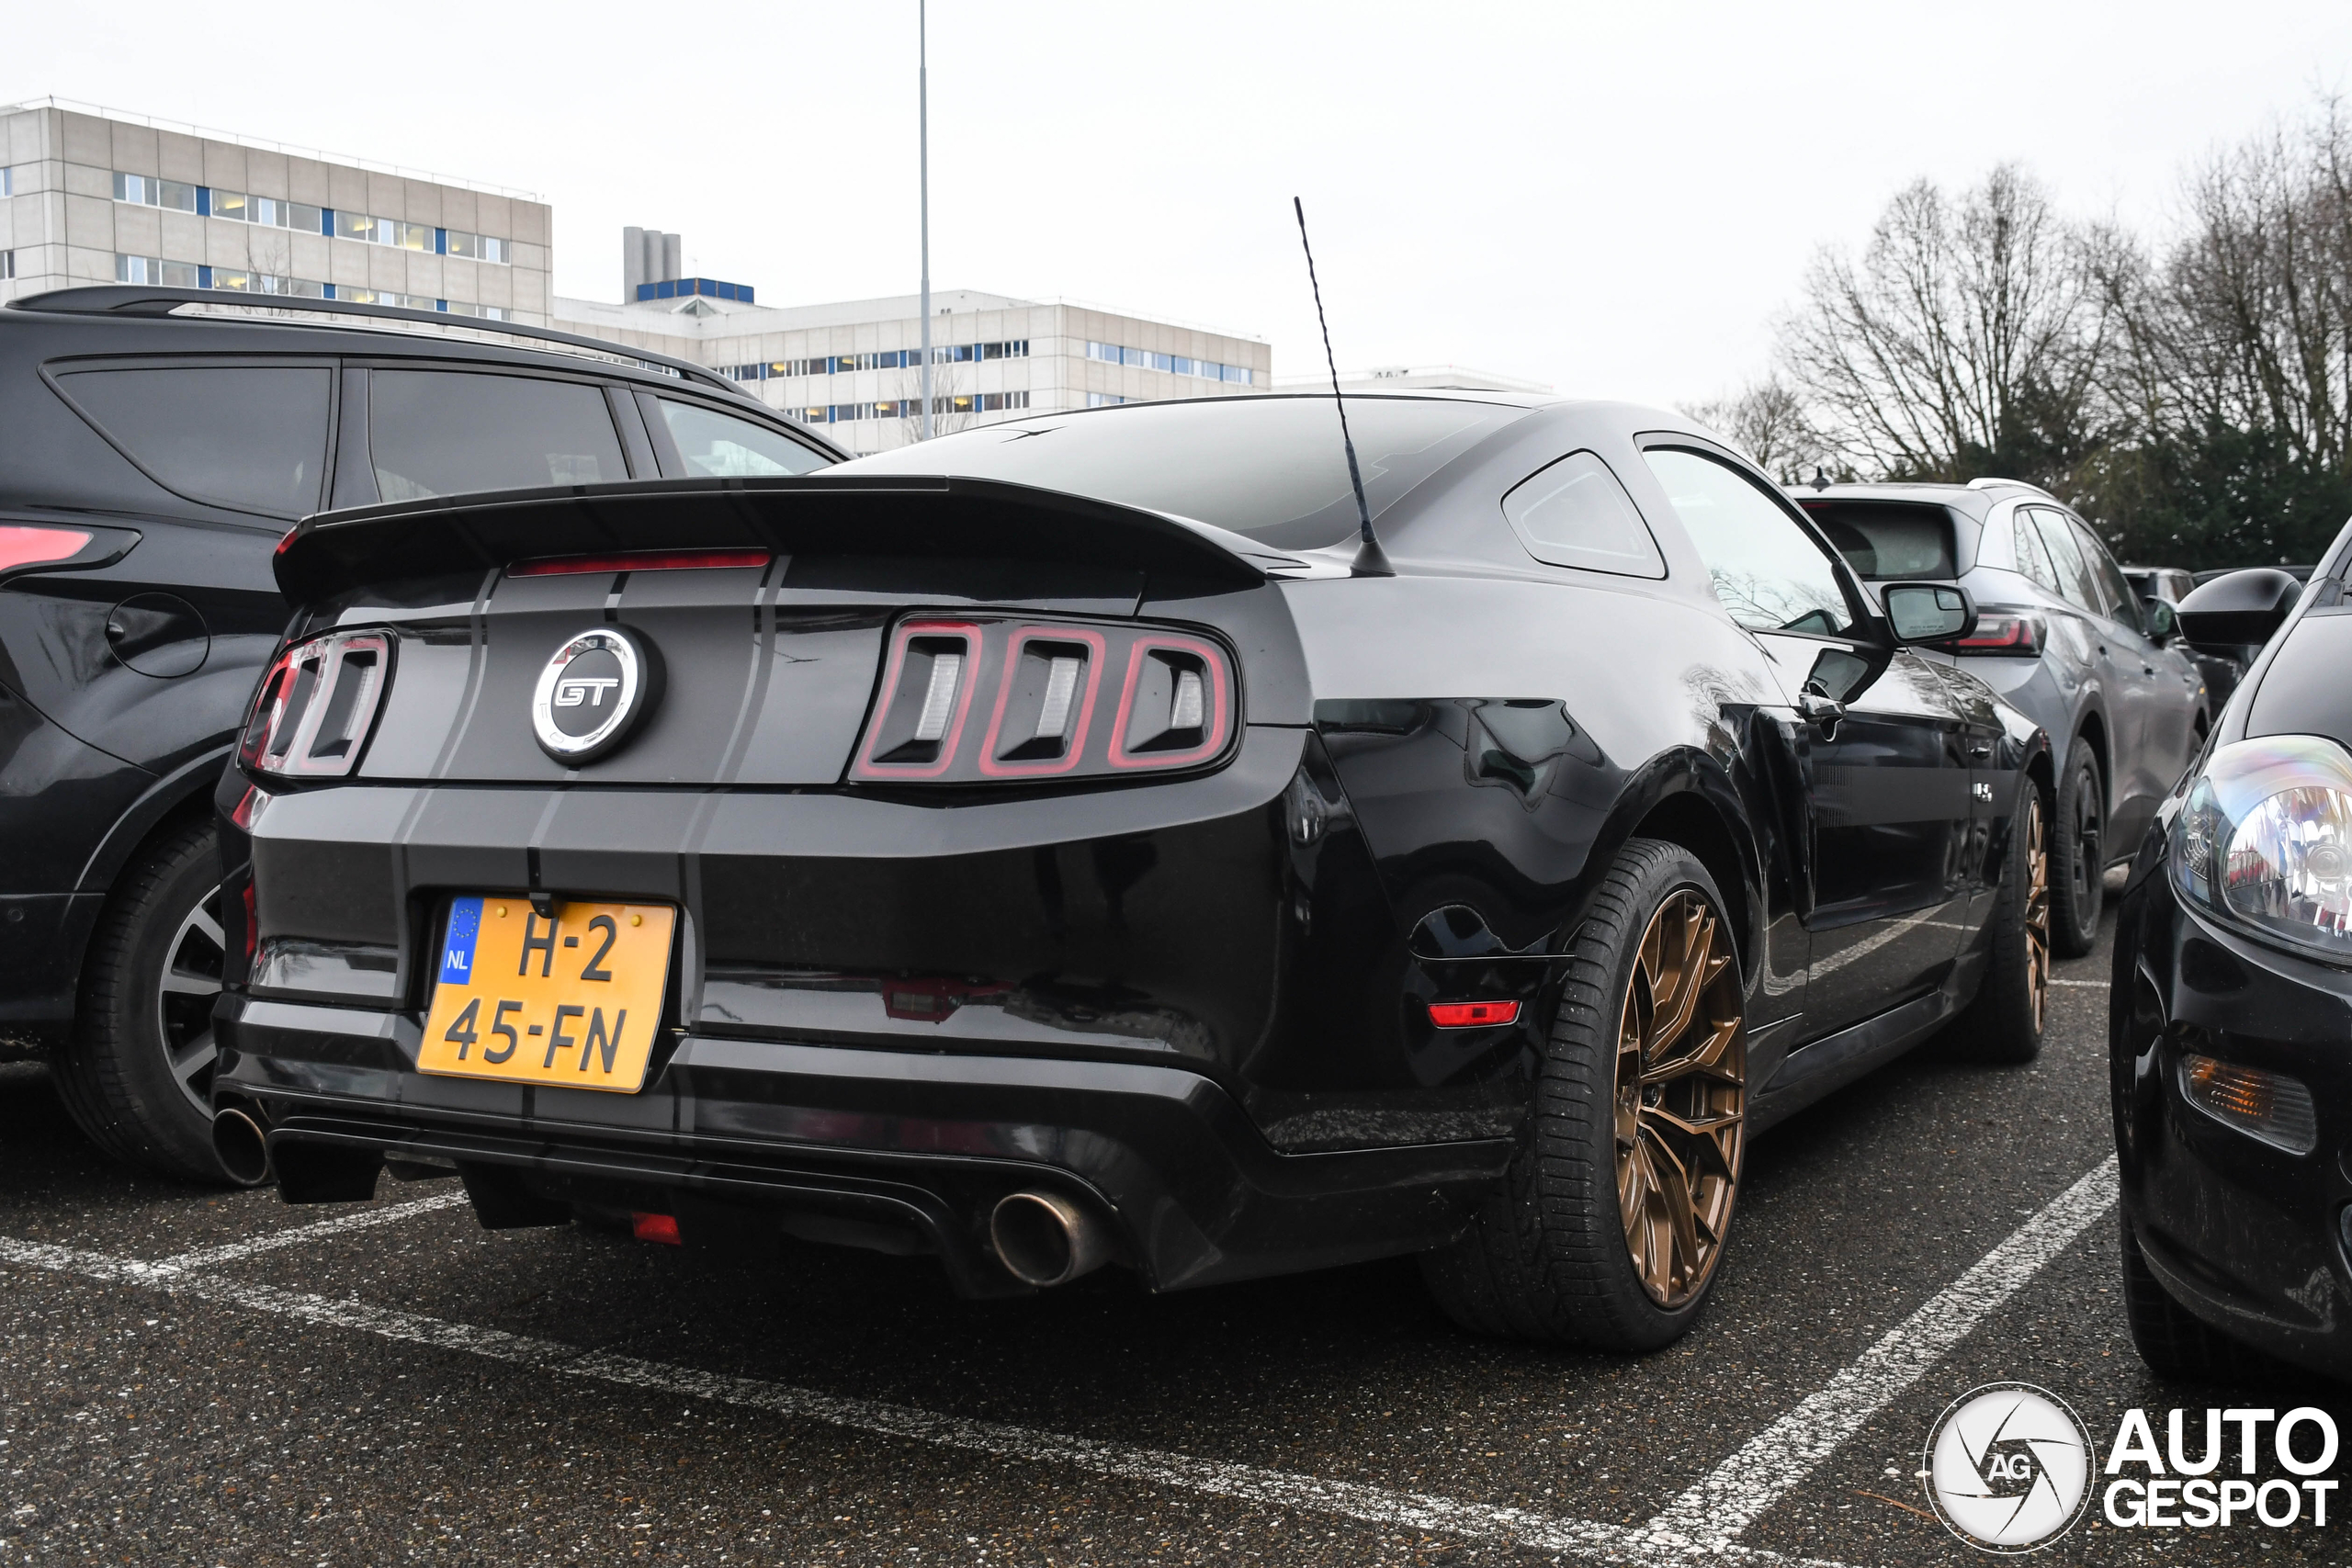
159,443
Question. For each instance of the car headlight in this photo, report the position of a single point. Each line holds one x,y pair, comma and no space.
2265,841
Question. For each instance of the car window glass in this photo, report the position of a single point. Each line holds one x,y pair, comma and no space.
1768,571
2033,558
2122,604
1269,467
1888,543
250,437
1574,513
455,432
2075,579
722,447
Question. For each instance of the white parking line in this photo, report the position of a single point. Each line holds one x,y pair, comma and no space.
2085,985
1154,1467
367,1219
1780,1457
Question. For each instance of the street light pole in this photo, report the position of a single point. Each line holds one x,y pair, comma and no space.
923,131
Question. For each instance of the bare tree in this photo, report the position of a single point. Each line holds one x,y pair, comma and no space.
948,382
1969,335
1768,421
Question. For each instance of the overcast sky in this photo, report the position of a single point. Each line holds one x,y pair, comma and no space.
1613,199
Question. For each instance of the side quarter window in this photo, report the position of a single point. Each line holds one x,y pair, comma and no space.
457,432
1574,513
2074,582
721,446
252,438
2033,560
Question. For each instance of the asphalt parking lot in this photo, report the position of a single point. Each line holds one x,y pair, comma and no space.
189,1377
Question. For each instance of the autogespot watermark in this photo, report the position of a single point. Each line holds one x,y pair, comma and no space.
2010,1468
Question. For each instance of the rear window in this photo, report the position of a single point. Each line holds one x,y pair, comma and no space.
1269,467
455,432
252,438
1883,543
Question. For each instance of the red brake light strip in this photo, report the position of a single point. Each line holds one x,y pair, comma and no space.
1472,1015
638,561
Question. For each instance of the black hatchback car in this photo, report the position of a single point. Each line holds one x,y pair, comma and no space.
157,444
1061,843
2231,1023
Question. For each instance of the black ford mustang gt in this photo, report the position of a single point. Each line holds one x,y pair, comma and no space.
1053,844
2231,1021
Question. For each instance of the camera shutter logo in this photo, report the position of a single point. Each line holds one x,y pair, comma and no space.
592,692
2009,1467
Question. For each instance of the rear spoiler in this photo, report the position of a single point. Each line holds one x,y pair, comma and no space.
865,515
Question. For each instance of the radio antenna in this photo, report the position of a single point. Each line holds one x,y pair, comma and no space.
1371,560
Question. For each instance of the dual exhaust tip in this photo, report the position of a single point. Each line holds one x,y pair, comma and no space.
1045,1240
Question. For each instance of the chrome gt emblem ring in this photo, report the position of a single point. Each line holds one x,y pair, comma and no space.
592,693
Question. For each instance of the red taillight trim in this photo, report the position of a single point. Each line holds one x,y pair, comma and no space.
659,1229
1069,760
1210,655
638,560
263,749
2015,636
27,544
866,767
1472,1015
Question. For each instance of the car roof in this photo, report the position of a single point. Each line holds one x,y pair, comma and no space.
1977,497
351,327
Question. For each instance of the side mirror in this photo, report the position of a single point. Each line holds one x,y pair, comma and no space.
2239,610
1929,611
2164,623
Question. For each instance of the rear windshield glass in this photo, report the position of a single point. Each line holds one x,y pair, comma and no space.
1269,467
1883,543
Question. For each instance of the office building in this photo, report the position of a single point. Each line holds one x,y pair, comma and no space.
91,196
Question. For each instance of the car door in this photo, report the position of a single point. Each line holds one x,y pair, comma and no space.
1881,744
2156,696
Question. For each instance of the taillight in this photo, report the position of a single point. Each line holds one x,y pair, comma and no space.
23,545
1061,700
2001,631
315,706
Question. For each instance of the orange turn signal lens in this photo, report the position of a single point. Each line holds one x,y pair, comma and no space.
2269,1106
1472,1015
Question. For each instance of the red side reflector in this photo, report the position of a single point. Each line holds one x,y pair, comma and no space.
637,561
1472,1015
253,925
39,546
663,1228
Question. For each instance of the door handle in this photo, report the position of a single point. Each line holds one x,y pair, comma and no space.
1981,748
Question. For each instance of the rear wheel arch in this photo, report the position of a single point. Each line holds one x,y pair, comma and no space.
2092,732
1688,816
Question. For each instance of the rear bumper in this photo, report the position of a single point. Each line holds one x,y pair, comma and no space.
903,1149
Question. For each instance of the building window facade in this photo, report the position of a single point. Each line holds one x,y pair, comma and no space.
907,408
891,359
1173,363
156,272
7,265
146,190
243,207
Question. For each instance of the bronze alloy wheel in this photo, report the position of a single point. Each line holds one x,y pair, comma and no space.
1681,1098
2036,907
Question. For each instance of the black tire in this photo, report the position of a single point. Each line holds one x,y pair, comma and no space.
2177,1345
2078,856
1548,1257
136,1074
2004,1022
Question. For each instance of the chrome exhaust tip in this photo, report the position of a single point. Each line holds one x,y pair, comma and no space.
1045,1240
241,1147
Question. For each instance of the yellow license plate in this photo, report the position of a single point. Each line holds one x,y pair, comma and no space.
574,1000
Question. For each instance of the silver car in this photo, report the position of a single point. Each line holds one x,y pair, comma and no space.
2061,635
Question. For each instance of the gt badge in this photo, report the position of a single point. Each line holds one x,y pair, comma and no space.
593,691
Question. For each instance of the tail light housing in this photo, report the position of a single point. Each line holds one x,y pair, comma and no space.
2001,632
984,699
316,705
